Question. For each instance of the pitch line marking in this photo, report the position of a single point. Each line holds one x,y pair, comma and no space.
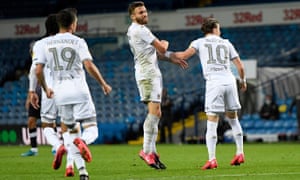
223,175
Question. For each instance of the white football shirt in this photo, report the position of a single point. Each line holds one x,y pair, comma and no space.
65,54
215,54
145,57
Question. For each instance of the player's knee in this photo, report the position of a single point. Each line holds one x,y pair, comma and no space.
89,122
47,122
76,129
31,122
67,125
231,114
90,128
71,127
45,125
159,114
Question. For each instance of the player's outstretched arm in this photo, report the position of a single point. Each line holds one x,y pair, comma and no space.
166,57
95,73
189,52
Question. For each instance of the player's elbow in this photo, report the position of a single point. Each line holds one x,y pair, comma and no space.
161,46
39,71
88,64
163,50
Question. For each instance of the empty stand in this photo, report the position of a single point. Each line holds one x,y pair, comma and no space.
270,45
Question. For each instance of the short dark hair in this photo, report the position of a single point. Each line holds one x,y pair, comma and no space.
208,25
134,5
51,25
66,17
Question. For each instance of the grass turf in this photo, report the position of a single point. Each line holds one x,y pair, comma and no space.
263,161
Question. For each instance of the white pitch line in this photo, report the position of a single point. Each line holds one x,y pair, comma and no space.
220,175
250,174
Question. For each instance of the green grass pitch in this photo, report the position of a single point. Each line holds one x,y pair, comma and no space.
121,162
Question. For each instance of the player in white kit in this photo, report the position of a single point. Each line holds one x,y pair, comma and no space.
49,111
215,54
145,48
34,91
66,54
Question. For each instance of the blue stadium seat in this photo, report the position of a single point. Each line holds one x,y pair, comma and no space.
117,67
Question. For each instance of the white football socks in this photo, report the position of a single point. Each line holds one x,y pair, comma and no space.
52,137
211,139
237,134
73,152
155,133
148,124
90,134
68,142
34,149
150,133
76,156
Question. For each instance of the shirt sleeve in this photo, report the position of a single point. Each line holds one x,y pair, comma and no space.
38,56
232,51
84,52
32,78
147,35
194,45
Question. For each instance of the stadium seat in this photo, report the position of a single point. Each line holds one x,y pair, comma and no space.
117,67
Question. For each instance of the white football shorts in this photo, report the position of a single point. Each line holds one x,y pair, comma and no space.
150,89
48,110
71,113
221,98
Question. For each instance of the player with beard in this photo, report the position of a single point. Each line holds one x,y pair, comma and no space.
146,48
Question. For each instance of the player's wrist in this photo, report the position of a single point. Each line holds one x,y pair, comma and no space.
243,80
168,54
31,91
